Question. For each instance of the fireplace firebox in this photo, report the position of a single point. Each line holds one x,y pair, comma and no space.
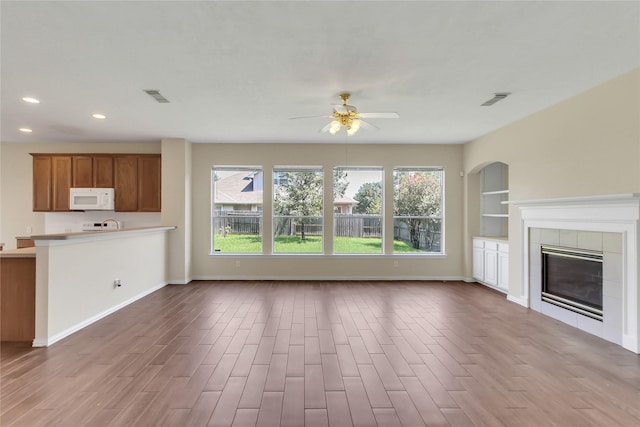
572,279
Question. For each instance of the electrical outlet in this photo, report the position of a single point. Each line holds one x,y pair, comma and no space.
395,263
238,263
29,230
117,283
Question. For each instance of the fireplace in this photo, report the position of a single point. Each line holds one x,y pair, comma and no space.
572,279
608,224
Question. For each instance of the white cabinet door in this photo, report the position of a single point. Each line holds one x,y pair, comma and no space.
491,267
478,263
503,273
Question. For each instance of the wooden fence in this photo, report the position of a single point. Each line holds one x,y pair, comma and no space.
346,225
250,222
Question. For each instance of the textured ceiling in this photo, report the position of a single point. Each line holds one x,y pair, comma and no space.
237,71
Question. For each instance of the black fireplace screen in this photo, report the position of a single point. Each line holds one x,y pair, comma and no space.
573,279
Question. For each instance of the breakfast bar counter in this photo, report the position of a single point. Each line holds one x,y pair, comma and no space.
98,234
84,276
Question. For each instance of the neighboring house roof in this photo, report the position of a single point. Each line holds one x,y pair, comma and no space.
237,189
345,200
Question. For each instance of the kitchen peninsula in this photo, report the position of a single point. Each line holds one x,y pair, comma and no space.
85,276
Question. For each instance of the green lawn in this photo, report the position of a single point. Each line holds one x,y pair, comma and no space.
242,243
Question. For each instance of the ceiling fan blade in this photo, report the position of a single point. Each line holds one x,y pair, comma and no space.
325,128
368,126
340,109
310,117
379,115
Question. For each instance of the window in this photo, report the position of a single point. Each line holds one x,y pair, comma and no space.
418,210
297,210
357,207
236,217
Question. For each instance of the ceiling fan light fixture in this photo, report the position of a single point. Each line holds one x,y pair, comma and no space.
353,127
335,127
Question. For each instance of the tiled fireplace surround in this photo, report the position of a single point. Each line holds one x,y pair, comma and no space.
610,224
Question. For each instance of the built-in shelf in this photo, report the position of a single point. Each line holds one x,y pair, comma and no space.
494,200
491,193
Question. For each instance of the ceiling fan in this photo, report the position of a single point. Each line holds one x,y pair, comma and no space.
347,115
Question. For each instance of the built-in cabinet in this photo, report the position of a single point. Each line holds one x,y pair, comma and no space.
136,178
491,250
491,263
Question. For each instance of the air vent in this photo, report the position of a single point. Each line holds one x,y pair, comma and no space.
155,94
498,97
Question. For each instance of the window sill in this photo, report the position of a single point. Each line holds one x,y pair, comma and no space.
332,256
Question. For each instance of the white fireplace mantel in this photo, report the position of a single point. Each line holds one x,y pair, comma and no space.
619,213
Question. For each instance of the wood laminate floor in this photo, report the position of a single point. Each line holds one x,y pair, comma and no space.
322,354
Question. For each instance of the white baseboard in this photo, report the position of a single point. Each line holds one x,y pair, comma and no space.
57,337
522,301
630,343
337,278
180,281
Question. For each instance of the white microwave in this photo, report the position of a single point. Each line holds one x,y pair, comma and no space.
92,199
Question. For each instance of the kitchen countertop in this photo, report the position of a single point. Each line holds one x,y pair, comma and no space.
110,233
19,253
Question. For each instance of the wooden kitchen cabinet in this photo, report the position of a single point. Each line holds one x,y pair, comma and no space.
82,172
61,173
42,183
125,171
103,171
92,171
51,183
18,290
149,177
137,183
24,242
135,177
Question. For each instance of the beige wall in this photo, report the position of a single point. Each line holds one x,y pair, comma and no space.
176,206
586,145
16,179
325,266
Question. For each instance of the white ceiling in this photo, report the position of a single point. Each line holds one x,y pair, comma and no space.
237,71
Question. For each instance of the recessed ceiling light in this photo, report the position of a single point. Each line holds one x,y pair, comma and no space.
99,116
31,100
25,130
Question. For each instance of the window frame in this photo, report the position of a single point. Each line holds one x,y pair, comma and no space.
276,171
213,210
441,217
381,170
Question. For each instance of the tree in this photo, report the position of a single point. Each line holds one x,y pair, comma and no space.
369,198
417,194
340,183
299,195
